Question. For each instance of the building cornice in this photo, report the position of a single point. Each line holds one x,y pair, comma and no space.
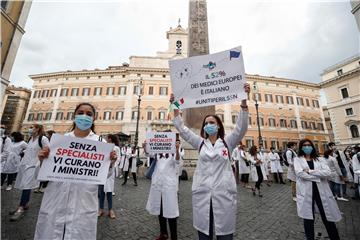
340,78
341,64
281,80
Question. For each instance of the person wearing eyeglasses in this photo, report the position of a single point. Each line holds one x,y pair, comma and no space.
312,188
214,190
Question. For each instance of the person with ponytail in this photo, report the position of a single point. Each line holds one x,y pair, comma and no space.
70,210
214,191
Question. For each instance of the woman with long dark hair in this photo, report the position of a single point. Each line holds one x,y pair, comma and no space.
257,172
312,188
214,189
26,180
70,210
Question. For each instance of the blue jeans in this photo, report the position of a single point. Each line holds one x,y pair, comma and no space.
335,188
25,197
102,198
203,236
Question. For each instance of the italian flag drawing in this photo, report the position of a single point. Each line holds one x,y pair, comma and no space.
178,103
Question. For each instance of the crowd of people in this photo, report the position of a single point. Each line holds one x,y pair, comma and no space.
70,210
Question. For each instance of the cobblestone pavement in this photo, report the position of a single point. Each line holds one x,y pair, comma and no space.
271,217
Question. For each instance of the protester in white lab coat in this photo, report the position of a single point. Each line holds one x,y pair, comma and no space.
130,164
214,189
5,144
239,155
312,188
70,210
181,163
290,156
336,178
122,161
163,196
257,173
356,168
275,166
110,181
12,163
26,180
262,155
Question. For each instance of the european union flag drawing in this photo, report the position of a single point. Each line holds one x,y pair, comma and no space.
234,54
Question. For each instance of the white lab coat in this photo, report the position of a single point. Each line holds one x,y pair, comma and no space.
346,164
128,155
122,157
69,210
164,185
13,160
213,178
289,157
5,151
253,173
334,169
264,163
239,156
110,181
26,172
181,162
275,163
356,168
304,181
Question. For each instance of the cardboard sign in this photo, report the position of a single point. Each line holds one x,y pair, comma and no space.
161,142
208,79
76,160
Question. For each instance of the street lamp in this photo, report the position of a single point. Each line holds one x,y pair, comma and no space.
256,91
139,91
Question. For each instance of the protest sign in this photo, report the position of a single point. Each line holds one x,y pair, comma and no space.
76,160
208,79
161,142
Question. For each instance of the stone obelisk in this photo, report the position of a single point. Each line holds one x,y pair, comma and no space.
198,44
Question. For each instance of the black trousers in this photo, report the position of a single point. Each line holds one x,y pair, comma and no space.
126,175
309,224
10,178
163,224
260,177
278,178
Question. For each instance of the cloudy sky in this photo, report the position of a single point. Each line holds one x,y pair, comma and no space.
291,39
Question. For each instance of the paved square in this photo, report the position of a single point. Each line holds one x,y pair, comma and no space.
271,217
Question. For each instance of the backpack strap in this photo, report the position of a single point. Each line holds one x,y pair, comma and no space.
4,138
201,145
40,141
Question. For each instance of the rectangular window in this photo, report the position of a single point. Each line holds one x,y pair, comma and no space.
74,92
293,123
163,91
86,91
53,92
249,143
312,126
122,90
39,117
234,118
340,72
31,117
307,102
344,93
271,122
257,96
110,91
274,144
300,101
59,116
320,126
136,90
303,125
268,98
69,116
261,120
250,120
119,115
349,111
279,99
48,116
161,115
43,93
64,92
107,115
35,94
97,91
134,115
289,100
149,115
151,90
315,103
283,123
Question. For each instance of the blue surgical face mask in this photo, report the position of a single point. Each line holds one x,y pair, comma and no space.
83,122
307,149
211,129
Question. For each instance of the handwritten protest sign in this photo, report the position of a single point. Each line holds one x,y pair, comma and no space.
161,142
208,79
77,160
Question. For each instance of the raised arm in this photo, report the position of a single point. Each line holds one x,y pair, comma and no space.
189,136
